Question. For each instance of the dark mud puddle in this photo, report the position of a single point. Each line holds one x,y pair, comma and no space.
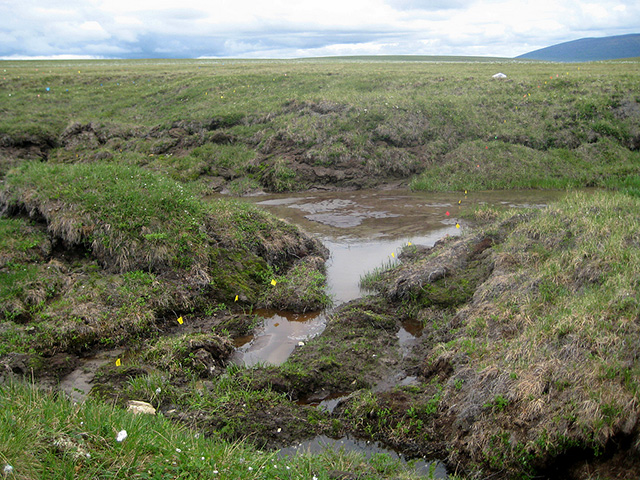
363,230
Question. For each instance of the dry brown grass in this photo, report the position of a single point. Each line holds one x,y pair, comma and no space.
544,355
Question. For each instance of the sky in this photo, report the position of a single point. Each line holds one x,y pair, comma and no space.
301,28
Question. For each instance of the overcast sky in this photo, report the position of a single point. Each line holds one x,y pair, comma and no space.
302,28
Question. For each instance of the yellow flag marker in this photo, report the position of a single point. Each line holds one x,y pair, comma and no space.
118,363
180,321
273,282
457,225
236,298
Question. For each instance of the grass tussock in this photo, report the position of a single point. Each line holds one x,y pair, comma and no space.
99,252
546,340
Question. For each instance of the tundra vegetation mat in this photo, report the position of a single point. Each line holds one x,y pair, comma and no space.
243,126
528,361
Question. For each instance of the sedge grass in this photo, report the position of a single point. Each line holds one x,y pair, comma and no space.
46,436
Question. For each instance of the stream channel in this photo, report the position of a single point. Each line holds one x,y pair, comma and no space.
363,230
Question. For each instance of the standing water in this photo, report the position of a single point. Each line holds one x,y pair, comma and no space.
363,230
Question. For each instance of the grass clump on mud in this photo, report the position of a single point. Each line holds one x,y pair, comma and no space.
101,252
355,350
540,363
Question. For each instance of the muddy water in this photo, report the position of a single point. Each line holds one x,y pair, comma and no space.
78,383
368,449
363,230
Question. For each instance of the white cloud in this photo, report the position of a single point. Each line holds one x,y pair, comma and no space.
289,28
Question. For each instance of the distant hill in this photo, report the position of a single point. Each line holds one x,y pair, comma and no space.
589,49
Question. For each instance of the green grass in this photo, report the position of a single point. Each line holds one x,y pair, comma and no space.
259,124
125,245
131,218
112,162
46,436
495,165
551,332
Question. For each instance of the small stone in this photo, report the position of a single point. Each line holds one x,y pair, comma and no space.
137,407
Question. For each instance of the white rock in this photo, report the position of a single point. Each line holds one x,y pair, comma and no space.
140,407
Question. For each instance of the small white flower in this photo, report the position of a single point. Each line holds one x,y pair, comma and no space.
201,458
8,469
178,450
301,344
122,434
279,430
314,478
215,471
250,468
158,390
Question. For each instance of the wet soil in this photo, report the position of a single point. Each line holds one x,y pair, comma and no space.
363,230
366,366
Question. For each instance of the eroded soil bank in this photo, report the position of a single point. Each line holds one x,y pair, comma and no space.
522,359
526,362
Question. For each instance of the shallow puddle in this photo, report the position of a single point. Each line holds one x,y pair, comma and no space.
364,230
367,448
78,383
279,334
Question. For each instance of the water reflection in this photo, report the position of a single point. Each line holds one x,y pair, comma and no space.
367,448
362,230
279,335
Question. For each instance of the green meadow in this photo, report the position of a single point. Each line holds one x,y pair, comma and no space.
112,227
291,125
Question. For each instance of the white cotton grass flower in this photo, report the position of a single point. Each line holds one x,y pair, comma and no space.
122,434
